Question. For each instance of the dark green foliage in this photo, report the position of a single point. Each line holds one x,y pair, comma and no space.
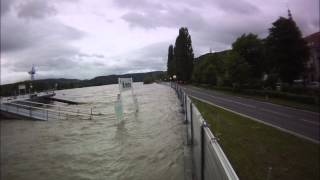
148,80
251,49
283,95
238,69
311,98
287,50
210,68
183,55
281,55
171,65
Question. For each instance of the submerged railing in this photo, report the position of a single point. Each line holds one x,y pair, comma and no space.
41,113
208,159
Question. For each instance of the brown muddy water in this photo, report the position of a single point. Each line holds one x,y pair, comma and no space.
145,145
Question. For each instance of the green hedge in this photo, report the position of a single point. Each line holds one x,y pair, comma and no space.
148,80
283,95
311,98
307,99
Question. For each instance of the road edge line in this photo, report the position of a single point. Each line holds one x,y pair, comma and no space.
260,121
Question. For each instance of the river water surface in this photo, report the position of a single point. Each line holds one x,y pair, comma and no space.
144,145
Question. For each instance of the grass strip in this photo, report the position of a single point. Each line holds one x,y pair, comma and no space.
257,151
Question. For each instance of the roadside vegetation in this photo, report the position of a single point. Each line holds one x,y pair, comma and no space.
257,151
304,101
148,80
272,69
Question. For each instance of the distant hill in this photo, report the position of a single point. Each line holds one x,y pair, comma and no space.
44,84
204,56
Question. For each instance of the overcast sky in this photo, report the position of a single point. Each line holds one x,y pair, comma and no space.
87,38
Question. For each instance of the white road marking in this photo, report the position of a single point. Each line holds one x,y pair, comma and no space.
309,121
224,99
276,112
263,122
306,111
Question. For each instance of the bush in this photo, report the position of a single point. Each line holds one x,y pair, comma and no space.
148,80
283,95
306,99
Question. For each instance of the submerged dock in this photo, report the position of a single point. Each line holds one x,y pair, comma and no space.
31,107
61,100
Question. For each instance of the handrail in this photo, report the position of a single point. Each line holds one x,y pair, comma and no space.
222,157
31,102
51,110
226,170
61,111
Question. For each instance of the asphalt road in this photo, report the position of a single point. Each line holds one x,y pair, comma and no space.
301,123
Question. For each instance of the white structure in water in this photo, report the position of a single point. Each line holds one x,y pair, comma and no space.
125,84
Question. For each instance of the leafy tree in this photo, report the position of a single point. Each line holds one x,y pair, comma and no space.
210,68
209,75
171,70
237,69
251,49
287,50
197,72
148,80
183,55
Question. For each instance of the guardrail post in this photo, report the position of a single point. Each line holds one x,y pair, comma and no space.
58,113
191,123
47,114
186,106
90,113
202,149
30,112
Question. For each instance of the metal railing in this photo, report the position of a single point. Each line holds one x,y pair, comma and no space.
40,113
26,96
209,160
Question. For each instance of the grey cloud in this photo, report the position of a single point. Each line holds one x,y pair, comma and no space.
6,6
152,57
19,35
36,9
236,6
47,57
215,33
47,43
138,4
172,18
91,55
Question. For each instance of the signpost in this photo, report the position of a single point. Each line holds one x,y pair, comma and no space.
125,84
22,87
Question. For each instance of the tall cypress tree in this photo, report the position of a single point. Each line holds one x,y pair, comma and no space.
183,55
287,50
170,63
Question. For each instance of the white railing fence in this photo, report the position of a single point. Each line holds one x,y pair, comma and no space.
41,113
209,160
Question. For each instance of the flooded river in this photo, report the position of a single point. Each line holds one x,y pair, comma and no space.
145,145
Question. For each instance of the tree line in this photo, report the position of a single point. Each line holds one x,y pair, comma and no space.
251,63
47,84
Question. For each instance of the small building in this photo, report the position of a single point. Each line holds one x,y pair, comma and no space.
313,64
